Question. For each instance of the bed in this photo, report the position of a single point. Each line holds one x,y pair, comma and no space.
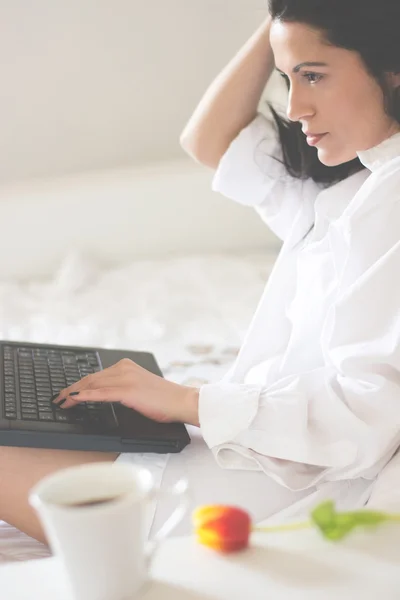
191,312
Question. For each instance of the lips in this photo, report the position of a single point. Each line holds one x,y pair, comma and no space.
314,139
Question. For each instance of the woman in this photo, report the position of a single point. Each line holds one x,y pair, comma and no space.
311,407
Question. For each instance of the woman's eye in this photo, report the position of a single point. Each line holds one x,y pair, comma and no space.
313,77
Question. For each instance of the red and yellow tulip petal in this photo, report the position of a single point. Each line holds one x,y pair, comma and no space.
223,528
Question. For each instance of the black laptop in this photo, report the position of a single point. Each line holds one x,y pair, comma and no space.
30,376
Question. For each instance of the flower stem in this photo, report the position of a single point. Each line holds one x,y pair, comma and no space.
287,527
306,525
394,517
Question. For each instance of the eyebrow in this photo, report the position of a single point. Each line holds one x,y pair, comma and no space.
305,64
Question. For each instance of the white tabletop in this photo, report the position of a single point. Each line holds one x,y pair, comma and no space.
286,566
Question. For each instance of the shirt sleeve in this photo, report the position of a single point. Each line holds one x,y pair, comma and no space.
251,173
341,420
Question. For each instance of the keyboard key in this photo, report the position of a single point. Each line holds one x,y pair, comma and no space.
58,384
69,360
45,416
63,418
80,419
26,405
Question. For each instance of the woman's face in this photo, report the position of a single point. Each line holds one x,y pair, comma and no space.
339,98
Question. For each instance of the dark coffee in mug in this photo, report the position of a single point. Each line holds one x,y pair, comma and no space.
93,502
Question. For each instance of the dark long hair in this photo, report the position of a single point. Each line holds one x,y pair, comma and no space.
369,27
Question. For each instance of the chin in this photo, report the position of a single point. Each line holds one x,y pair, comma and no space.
328,161
333,160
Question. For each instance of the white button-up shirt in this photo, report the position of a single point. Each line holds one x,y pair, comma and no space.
314,395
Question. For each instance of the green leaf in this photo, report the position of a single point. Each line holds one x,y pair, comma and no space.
335,526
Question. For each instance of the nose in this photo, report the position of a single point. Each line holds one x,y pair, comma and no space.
299,106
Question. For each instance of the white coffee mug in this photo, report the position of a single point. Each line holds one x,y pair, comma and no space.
95,517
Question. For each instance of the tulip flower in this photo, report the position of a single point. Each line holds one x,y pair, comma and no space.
223,528
228,528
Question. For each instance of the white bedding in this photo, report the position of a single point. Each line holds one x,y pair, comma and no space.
192,313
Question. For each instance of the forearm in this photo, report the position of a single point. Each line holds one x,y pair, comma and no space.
231,101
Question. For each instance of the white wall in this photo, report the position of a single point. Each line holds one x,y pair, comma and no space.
94,95
88,84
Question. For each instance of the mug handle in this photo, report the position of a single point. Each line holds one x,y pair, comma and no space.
181,490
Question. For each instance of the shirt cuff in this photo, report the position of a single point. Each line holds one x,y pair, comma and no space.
226,409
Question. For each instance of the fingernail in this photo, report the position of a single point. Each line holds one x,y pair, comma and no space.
54,397
62,402
74,393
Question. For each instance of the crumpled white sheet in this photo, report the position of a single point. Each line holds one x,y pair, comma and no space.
148,305
191,312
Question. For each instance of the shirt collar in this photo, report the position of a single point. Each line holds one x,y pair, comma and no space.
377,156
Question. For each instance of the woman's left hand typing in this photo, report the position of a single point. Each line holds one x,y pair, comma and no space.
129,384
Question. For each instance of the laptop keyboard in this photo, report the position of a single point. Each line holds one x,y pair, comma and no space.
32,376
